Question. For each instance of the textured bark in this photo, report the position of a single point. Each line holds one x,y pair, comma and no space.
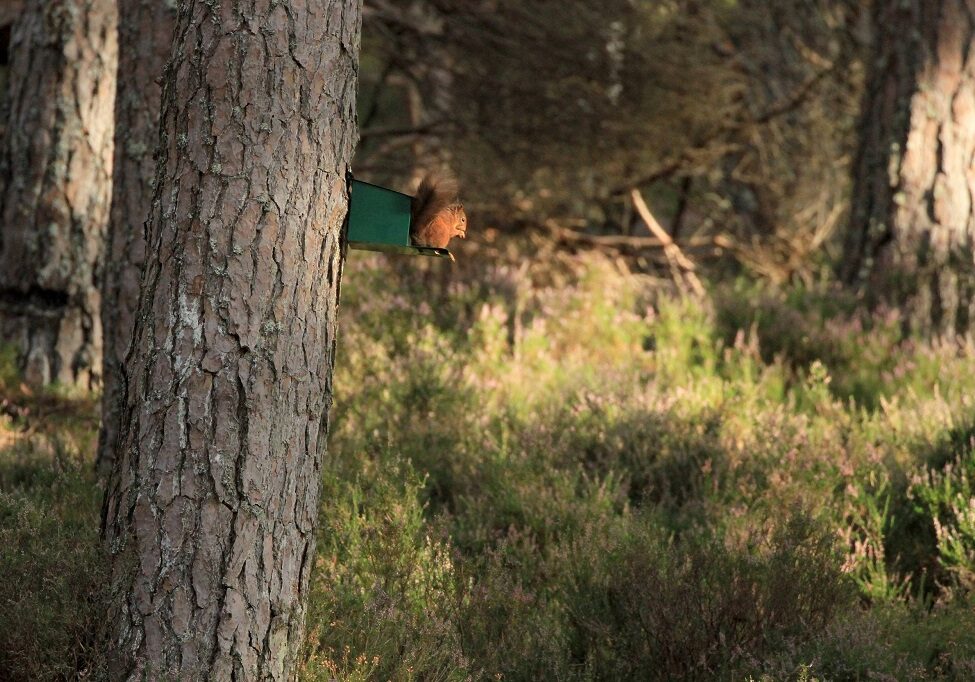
145,39
911,238
210,512
55,186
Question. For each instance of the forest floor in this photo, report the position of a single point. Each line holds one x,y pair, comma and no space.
562,472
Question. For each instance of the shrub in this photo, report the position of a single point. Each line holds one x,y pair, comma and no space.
946,496
53,591
548,470
382,596
648,608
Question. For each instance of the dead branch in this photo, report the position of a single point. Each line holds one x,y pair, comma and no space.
675,256
618,241
710,148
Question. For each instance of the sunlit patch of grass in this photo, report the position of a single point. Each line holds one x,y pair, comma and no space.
50,418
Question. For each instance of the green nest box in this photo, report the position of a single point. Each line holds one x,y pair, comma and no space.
379,220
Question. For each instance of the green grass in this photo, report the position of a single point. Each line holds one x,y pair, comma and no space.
555,471
51,594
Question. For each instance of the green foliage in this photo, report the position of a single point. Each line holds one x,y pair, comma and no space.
889,642
634,486
51,597
8,367
946,496
384,589
555,472
648,608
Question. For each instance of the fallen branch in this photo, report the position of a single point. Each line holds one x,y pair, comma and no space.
618,241
675,256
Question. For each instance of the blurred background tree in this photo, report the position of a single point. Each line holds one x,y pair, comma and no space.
55,185
912,228
145,30
736,118
756,131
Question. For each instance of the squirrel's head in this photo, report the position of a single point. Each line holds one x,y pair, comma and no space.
460,220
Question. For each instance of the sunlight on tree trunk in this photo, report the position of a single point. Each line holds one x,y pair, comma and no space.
912,222
211,511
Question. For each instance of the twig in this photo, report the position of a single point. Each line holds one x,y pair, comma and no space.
618,241
675,256
784,106
432,129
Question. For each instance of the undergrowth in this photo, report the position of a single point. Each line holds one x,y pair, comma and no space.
560,472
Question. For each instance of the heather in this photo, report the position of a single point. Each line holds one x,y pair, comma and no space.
555,468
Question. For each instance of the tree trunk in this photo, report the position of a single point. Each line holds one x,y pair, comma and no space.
55,186
416,40
10,10
145,39
912,225
211,511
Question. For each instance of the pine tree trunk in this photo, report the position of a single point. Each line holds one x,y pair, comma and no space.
55,186
911,237
145,40
211,511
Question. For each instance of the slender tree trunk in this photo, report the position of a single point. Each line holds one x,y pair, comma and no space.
211,511
145,39
911,237
55,186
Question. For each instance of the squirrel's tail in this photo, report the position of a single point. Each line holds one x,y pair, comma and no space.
435,193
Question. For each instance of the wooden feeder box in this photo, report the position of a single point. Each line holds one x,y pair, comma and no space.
379,220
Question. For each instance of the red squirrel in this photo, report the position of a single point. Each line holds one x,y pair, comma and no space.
437,214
